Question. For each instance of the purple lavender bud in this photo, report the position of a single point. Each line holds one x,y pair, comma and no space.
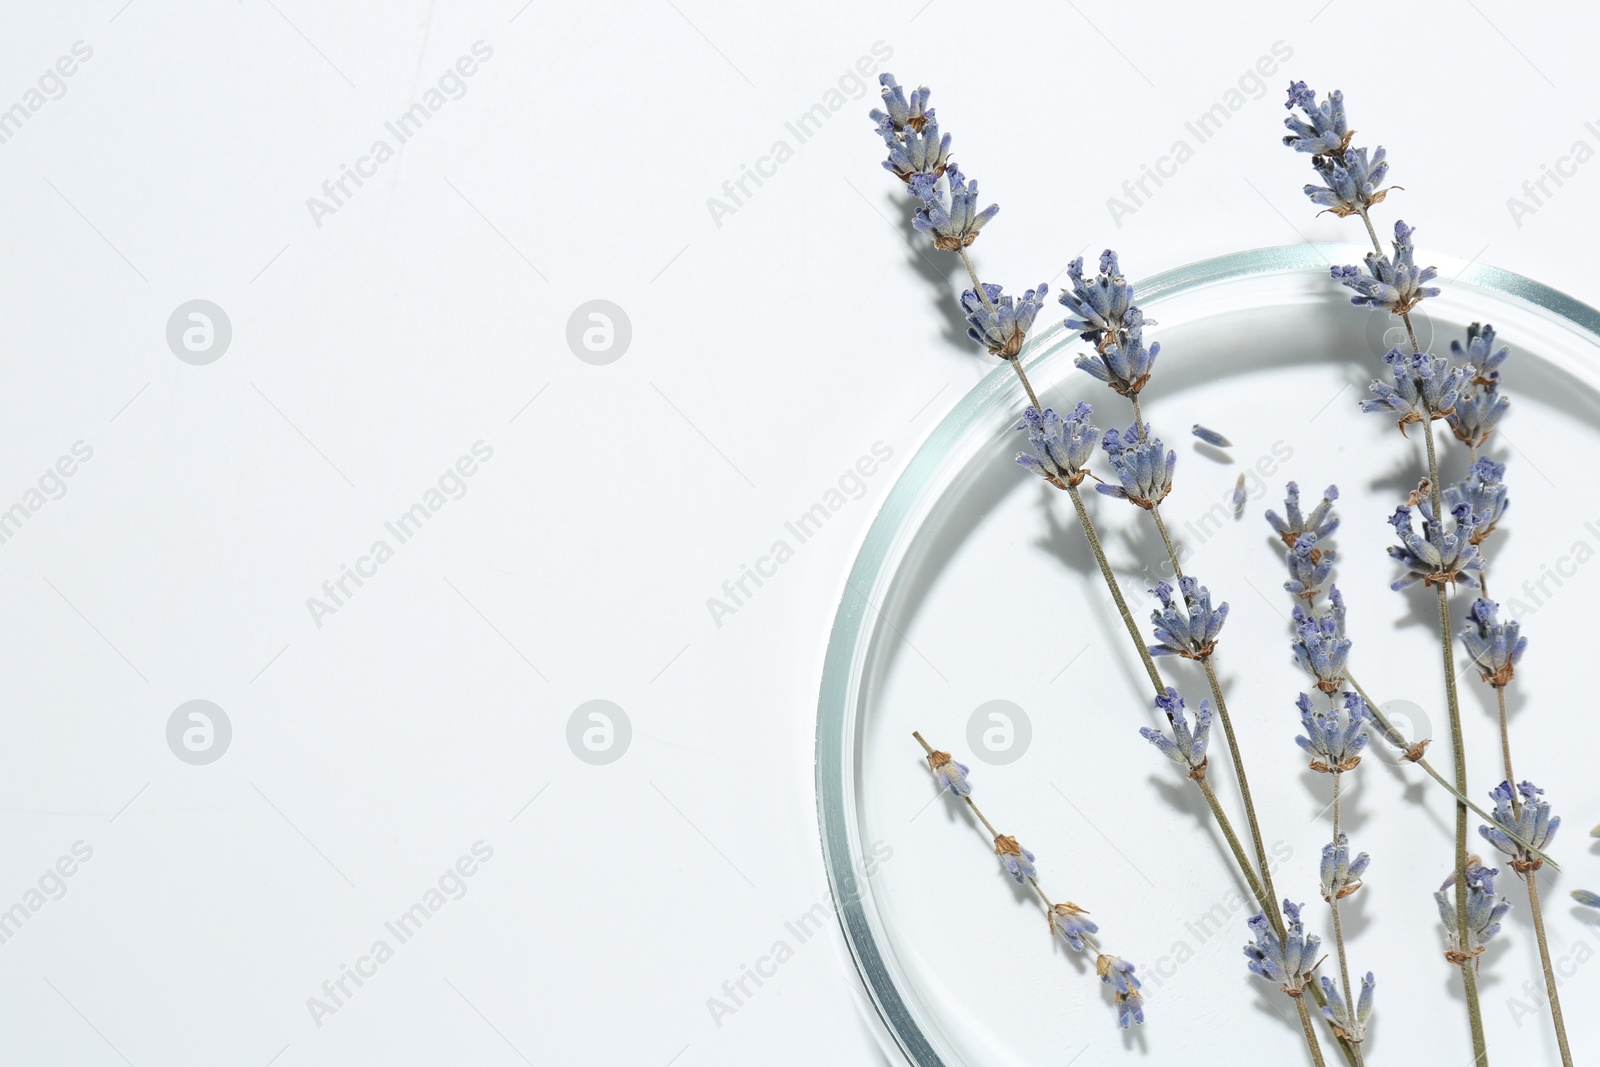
1118,974
1483,491
1395,284
949,212
949,774
1495,646
1101,305
1320,644
1334,737
1189,629
1211,437
1323,131
1425,388
1000,322
901,113
1435,555
1067,919
1061,447
1341,875
1017,860
1350,1026
1309,566
1480,357
1321,523
1521,815
1287,960
1142,465
1484,912
1351,182
1182,745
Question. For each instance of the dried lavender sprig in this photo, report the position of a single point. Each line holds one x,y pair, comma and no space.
1104,312
1103,309
1065,918
920,156
1400,287
1522,823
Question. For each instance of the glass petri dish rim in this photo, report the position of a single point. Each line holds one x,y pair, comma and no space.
836,707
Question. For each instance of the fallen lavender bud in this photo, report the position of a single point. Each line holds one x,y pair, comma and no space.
1211,437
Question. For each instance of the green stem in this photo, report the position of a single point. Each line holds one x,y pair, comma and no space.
1166,539
1338,926
1311,1034
1505,735
1556,1018
1093,538
1226,826
1244,781
1458,752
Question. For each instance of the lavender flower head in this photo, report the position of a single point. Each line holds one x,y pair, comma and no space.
1351,182
1323,131
1484,913
1189,629
1352,1027
1320,644
1309,566
1061,446
1000,323
1484,491
1495,646
1017,860
1341,875
1521,814
1481,407
1139,464
1435,555
949,213
1476,414
1480,357
900,112
1122,360
918,157
1101,306
1118,974
1333,737
1067,919
1425,388
1395,283
1288,960
1321,523
1183,745
949,774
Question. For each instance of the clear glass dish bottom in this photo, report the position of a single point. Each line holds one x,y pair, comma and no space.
975,614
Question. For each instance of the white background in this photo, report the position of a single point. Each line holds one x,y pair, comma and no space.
372,347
